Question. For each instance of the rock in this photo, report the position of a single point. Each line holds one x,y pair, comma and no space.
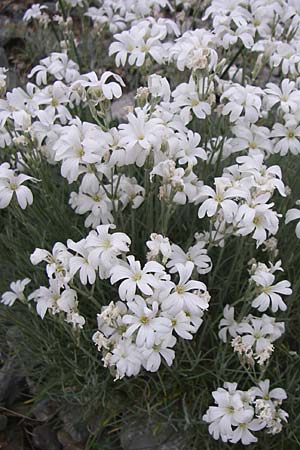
12,439
11,381
13,79
73,423
44,410
3,58
142,435
174,444
67,442
45,439
3,422
121,107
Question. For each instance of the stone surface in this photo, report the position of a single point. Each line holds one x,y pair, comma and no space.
44,410
12,337
120,107
67,442
73,423
3,58
3,422
144,435
44,438
11,380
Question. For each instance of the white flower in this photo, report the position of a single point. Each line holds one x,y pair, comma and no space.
194,50
160,349
189,152
242,432
229,412
135,277
11,184
57,261
102,88
158,244
16,292
287,137
188,97
159,87
242,99
80,144
58,65
251,137
263,391
182,299
286,56
35,12
75,319
256,335
140,135
127,42
267,406
143,39
100,340
181,324
196,253
287,96
228,324
48,298
257,217
145,321
239,412
95,201
219,199
87,271
103,247
293,214
127,358
270,293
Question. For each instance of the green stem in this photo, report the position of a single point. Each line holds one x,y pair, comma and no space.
240,50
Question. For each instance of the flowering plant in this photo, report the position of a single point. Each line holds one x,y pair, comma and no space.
157,223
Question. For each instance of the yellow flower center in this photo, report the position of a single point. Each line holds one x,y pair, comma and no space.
96,197
256,220
106,243
80,152
180,289
144,320
136,276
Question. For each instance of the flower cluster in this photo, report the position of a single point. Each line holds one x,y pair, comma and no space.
138,329
252,337
238,413
196,156
269,294
138,332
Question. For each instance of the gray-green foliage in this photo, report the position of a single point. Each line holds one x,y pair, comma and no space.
65,366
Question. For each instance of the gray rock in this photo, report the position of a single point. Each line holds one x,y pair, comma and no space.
67,442
45,439
11,379
119,108
13,334
3,422
13,79
71,415
144,435
3,58
44,410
